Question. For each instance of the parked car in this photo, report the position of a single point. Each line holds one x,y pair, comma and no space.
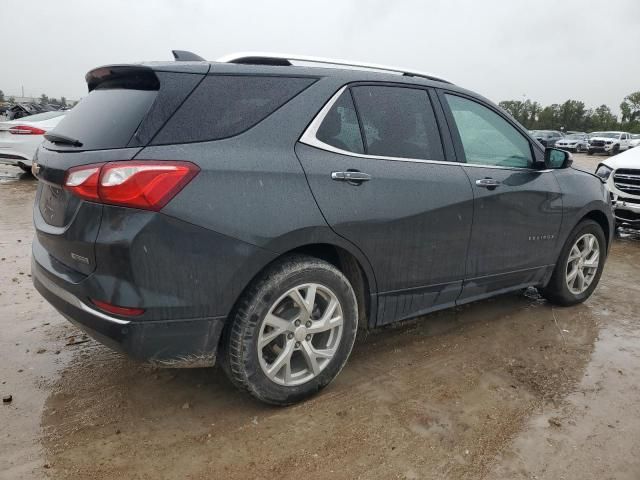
610,143
574,142
19,139
635,140
547,138
622,175
259,213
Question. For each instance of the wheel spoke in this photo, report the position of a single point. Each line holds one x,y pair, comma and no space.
310,357
575,254
328,320
573,274
305,303
593,261
266,338
277,322
580,280
284,359
310,298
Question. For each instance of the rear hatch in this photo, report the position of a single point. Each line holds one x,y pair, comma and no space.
123,111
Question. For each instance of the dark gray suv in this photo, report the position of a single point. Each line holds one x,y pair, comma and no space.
259,212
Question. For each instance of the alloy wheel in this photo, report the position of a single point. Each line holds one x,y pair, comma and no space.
582,264
300,334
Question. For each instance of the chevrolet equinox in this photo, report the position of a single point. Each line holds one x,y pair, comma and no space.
261,209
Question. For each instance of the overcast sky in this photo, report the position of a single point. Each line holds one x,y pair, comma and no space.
548,51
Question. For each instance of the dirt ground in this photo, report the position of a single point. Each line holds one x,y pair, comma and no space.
509,388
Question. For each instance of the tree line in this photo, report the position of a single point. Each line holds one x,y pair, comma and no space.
44,100
574,115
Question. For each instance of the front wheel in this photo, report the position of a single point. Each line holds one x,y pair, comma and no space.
292,331
589,152
579,267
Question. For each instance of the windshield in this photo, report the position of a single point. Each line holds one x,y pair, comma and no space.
574,136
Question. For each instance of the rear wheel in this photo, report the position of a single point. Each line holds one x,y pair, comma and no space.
589,152
292,332
579,267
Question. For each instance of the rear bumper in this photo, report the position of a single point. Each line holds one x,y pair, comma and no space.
180,343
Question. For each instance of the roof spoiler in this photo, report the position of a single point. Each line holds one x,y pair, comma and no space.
185,56
136,77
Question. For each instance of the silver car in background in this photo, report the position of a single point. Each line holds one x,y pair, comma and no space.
574,142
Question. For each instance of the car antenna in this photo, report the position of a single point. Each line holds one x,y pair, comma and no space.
185,56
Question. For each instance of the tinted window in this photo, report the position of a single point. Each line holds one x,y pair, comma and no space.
224,105
487,138
398,122
106,118
340,127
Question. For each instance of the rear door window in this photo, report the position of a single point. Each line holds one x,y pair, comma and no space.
226,105
398,122
340,127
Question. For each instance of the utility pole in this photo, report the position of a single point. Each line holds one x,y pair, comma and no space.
22,87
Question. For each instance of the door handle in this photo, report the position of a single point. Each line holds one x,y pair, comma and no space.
489,183
352,176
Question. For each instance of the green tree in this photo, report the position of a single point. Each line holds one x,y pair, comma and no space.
1,96
630,107
603,119
571,115
44,99
549,117
12,99
63,101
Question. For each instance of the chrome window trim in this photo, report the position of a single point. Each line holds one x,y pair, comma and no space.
309,138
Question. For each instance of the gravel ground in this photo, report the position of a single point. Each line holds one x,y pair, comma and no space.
509,388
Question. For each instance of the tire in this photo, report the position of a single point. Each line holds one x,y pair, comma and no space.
257,370
557,291
614,151
578,149
589,152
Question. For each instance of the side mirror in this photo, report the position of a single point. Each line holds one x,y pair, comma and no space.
555,158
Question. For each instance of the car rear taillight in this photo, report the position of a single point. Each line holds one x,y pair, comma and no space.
126,311
26,130
148,185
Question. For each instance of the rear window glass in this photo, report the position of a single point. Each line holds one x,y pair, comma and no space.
225,105
398,122
106,118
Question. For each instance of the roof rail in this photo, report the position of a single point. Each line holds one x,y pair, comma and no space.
281,59
185,56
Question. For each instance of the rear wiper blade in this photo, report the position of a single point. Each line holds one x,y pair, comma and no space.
57,138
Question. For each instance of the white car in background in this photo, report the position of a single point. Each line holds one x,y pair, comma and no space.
19,139
610,143
622,177
635,140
